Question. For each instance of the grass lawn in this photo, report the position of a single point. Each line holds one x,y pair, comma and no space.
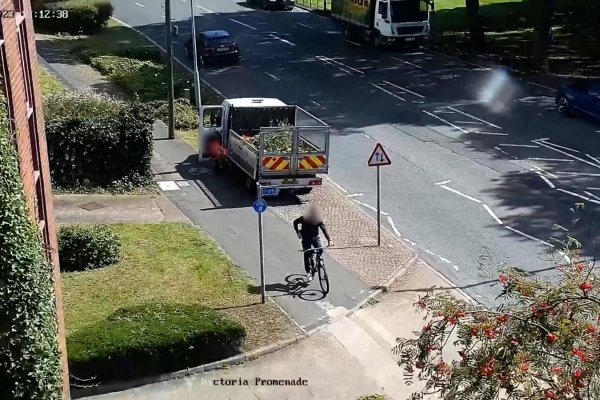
449,4
170,263
48,82
190,137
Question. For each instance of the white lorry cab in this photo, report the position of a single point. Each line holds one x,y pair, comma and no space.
273,143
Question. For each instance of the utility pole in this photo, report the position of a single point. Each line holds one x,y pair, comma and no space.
170,70
196,77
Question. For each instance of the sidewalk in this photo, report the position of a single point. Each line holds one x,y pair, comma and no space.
350,358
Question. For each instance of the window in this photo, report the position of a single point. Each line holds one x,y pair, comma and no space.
34,144
26,65
383,9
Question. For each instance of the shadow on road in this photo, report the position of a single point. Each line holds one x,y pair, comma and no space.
295,286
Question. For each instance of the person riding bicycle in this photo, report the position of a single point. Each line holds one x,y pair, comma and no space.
311,222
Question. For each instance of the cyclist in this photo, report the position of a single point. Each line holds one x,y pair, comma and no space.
311,222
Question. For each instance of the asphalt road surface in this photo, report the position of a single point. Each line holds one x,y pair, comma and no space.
482,164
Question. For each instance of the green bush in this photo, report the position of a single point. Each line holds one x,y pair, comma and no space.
83,17
95,141
84,247
186,115
152,339
144,78
29,356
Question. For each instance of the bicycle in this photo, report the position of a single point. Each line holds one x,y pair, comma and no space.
318,267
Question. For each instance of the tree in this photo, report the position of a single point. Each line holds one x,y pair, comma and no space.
543,342
476,32
542,12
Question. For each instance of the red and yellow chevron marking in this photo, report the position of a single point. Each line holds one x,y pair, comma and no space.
311,162
276,163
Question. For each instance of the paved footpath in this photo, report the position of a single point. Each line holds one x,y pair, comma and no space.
349,358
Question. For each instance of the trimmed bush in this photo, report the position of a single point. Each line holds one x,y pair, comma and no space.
95,141
29,356
84,247
85,17
152,339
144,78
186,115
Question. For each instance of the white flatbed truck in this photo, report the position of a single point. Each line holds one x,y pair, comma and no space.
246,127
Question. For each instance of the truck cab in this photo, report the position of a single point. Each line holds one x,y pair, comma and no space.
405,20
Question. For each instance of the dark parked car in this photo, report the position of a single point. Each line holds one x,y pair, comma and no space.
580,97
213,46
266,4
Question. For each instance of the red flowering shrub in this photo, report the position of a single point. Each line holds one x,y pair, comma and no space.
541,343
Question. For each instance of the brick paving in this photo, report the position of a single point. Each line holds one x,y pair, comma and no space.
354,235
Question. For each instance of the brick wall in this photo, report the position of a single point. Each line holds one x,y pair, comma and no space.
19,65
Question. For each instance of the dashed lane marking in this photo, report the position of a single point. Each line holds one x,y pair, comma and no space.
461,194
529,146
528,236
442,183
355,195
387,91
578,195
370,207
353,43
404,89
545,140
474,117
593,158
446,122
548,146
575,173
140,5
272,76
545,179
306,26
550,159
407,62
340,65
243,24
492,214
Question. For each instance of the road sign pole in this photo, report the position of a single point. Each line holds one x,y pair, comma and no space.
378,208
261,247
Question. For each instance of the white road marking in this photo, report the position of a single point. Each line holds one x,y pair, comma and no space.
243,24
468,122
387,91
550,159
579,195
529,146
306,26
315,103
541,143
404,89
559,146
429,252
545,180
536,168
491,133
340,64
529,236
592,188
272,76
206,10
445,260
367,136
544,138
591,195
141,5
355,195
282,40
408,63
474,117
455,267
446,122
354,43
576,173
168,186
370,207
442,183
336,184
461,194
489,211
396,231
593,158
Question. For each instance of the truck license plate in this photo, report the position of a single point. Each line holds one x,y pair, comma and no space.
289,181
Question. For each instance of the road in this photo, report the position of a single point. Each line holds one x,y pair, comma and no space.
482,164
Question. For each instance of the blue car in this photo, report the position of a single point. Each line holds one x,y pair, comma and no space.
580,97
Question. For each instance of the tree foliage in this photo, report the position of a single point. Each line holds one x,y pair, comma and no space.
542,342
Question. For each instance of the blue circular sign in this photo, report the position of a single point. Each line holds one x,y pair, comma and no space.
260,206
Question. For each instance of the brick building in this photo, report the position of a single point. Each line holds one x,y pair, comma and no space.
24,99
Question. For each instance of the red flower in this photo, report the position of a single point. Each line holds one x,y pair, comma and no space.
475,330
441,365
490,333
427,328
452,320
585,286
556,370
580,267
591,328
552,337
581,354
487,371
502,318
524,367
578,374
503,278
460,314
550,394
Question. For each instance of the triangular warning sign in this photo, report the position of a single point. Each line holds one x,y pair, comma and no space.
379,157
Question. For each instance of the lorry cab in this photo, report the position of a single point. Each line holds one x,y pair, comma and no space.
406,20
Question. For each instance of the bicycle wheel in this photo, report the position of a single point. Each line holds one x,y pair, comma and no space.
323,278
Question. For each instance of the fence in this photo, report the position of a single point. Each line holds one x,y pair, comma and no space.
324,5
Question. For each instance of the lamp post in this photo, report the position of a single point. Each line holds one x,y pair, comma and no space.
170,70
196,76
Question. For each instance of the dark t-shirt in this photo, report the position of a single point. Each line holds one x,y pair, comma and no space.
310,230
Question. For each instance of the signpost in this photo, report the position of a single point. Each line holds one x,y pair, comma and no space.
260,206
378,158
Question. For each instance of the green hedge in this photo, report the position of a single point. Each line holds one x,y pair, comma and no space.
98,142
152,339
186,115
29,356
84,247
85,17
144,78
